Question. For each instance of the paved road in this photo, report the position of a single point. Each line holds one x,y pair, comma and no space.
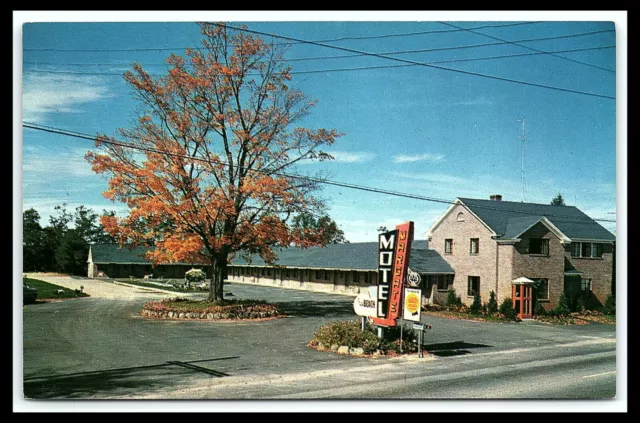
101,348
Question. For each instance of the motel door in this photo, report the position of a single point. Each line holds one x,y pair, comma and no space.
522,300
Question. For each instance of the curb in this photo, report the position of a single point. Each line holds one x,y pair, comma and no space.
146,288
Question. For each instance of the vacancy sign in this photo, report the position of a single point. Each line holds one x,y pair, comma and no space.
412,304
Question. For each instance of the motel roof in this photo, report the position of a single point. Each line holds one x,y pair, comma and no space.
349,256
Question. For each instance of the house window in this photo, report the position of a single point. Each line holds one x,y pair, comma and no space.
586,249
474,246
539,246
443,281
473,285
541,286
460,217
585,286
448,246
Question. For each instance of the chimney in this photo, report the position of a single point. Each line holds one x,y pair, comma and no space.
495,197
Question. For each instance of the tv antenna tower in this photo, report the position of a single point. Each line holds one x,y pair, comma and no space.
522,138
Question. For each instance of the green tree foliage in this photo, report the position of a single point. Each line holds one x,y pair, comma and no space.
492,305
452,299
32,240
562,308
331,233
558,200
609,305
506,308
476,306
63,245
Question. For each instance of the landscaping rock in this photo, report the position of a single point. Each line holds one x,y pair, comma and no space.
210,316
357,351
216,315
170,315
334,347
181,315
343,349
203,315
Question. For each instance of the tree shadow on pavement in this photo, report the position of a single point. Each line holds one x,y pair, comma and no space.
119,381
448,349
317,309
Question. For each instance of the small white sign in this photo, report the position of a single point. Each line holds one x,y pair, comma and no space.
412,304
366,303
417,326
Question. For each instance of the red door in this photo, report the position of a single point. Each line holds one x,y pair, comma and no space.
522,300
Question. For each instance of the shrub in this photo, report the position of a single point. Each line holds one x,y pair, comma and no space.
195,275
492,305
452,300
506,308
349,333
476,307
609,305
580,307
562,308
539,310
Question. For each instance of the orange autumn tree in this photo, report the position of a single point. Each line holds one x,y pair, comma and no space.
214,141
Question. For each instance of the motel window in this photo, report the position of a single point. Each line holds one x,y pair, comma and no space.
366,278
585,286
473,285
318,274
287,273
474,246
541,287
356,277
539,246
586,249
263,272
448,246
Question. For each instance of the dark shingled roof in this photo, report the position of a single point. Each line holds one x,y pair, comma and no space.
112,253
356,256
506,218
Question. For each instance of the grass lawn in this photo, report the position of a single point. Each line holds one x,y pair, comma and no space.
48,290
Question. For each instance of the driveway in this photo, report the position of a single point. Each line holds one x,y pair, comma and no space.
101,348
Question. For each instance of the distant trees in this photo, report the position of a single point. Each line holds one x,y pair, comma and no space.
63,245
326,227
558,200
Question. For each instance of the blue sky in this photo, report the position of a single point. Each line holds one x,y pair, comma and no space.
414,129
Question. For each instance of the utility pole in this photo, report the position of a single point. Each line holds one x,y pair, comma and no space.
522,137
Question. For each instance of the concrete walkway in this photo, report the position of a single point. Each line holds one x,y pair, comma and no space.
101,288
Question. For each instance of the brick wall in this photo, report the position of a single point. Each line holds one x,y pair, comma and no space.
599,270
532,266
461,230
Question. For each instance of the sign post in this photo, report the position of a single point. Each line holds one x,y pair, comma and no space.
394,250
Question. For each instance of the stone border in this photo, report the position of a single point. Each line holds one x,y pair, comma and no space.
359,352
181,315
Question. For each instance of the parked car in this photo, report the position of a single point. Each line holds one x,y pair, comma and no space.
29,294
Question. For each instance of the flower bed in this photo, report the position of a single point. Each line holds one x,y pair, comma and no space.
347,337
182,308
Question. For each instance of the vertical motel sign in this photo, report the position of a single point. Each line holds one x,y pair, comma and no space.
393,262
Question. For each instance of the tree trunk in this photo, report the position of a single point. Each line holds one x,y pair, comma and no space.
218,273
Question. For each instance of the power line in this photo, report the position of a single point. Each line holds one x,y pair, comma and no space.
411,63
498,78
516,43
80,135
368,37
358,55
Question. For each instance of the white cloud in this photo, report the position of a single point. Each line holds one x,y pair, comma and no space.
427,157
352,156
432,177
69,163
44,94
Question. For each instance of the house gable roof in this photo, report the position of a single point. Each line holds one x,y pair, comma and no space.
506,218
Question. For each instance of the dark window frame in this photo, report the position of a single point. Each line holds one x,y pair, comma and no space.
477,244
448,243
541,249
471,281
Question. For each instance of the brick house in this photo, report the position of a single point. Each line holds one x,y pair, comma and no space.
529,252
